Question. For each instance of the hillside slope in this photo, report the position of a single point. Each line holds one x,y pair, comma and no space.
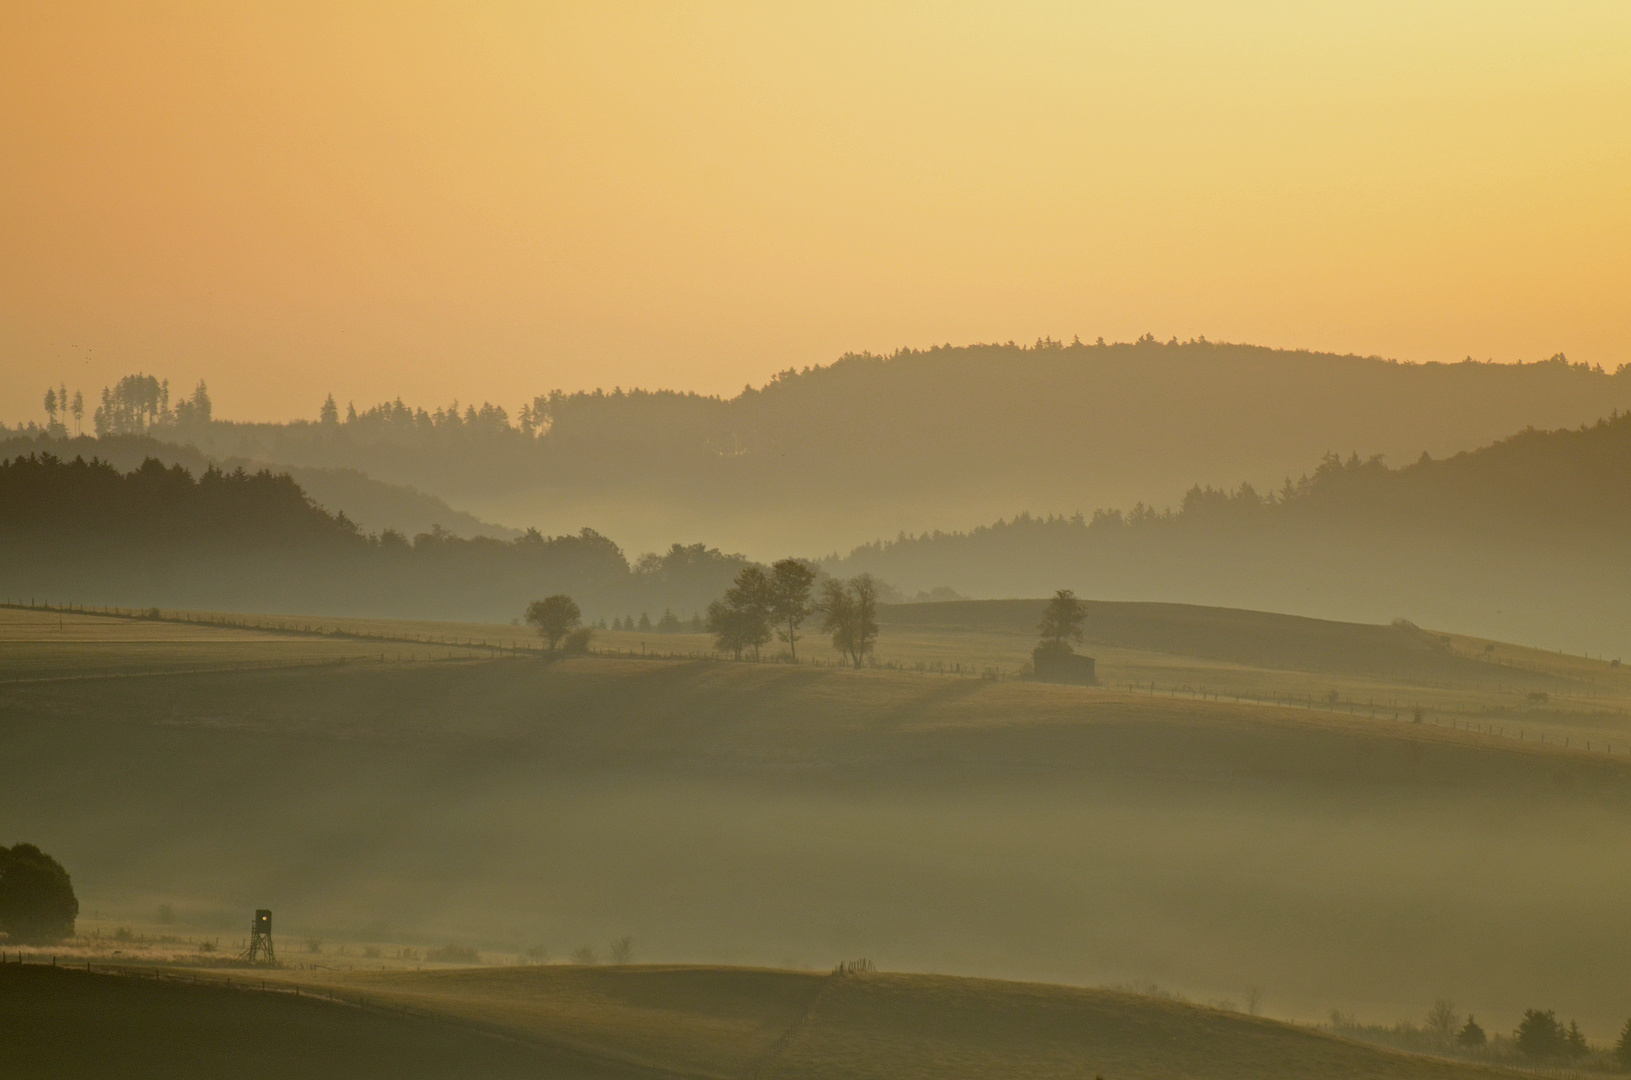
755,813
373,504
76,1025
780,1025
1518,540
1255,638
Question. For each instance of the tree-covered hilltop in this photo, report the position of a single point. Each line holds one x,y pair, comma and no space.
1523,539
85,531
91,504
946,437
373,504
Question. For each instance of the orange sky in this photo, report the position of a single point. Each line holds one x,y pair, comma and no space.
491,200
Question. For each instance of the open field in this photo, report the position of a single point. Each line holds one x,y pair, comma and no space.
48,644
793,816
1182,651
655,1022
72,1024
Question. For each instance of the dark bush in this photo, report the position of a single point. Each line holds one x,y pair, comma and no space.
37,903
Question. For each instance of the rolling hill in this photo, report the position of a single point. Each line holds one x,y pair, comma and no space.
941,438
373,504
1261,639
658,1023
72,1024
1517,540
759,813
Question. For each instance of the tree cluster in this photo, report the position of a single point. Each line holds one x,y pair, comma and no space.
1542,1036
37,902
763,605
141,403
59,407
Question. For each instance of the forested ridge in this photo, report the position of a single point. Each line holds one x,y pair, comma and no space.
1523,539
373,504
945,437
1570,487
84,530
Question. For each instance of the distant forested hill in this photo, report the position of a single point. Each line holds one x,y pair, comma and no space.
373,504
1528,538
945,437
84,531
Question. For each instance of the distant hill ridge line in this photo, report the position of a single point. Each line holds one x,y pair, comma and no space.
1256,638
969,411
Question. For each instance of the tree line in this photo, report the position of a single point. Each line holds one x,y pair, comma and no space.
1540,1037
955,421
1563,485
760,605
83,530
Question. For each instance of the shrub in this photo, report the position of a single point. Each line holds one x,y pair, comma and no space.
577,642
37,902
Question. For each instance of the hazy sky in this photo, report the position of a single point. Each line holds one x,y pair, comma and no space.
492,200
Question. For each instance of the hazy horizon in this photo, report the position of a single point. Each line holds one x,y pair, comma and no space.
500,201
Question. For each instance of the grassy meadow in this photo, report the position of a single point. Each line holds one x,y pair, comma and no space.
929,813
652,1022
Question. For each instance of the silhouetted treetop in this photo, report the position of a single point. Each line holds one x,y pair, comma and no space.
44,497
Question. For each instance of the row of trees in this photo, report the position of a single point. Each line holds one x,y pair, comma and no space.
668,623
1540,1035
59,407
134,405
764,605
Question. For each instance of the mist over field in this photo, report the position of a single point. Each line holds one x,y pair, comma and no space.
772,817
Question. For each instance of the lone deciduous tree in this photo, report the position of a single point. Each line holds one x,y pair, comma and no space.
790,583
37,902
554,617
1062,619
741,619
849,612
1053,659
1441,1019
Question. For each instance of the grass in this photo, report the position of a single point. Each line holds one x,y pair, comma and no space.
56,1022
36,644
735,1022
753,813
